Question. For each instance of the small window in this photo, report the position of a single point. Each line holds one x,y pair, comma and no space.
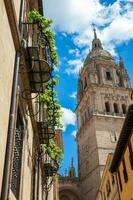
116,110
85,83
108,76
119,178
124,110
107,106
86,116
130,154
108,188
88,112
124,171
113,179
113,137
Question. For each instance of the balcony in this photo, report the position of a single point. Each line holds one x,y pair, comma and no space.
45,131
38,59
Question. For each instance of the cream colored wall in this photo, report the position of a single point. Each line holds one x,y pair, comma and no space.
127,192
107,176
17,8
7,58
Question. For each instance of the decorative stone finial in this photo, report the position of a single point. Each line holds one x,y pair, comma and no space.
72,163
94,29
95,34
121,63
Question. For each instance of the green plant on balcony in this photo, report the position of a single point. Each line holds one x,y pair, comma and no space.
53,151
51,101
35,17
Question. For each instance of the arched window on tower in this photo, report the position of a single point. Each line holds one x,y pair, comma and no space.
116,110
85,83
107,106
88,112
108,76
124,108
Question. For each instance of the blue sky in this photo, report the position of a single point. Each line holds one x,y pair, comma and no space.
72,23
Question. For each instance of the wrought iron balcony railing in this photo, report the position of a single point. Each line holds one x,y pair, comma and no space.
45,131
38,57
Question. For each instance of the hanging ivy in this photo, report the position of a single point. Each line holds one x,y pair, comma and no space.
35,17
54,151
50,95
51,101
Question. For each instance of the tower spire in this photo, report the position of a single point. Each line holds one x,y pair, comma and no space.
96,43
94,30
72,169
95,34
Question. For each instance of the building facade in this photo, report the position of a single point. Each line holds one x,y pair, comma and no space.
23,122
122,163
108,188
104,95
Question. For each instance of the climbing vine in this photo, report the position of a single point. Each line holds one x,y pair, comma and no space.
49,97
54,151
35,17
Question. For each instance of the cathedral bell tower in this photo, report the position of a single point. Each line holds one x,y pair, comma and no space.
104,94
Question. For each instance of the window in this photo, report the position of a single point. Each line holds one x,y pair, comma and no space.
124,110
17,158
113,179
86,116
85,83
108,188
88,112
119,178
124,171
113,137
107,106
130,154
116,110
108,76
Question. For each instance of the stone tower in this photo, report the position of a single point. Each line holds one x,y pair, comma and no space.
69,186
104,94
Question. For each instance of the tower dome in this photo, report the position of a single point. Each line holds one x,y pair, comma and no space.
97,50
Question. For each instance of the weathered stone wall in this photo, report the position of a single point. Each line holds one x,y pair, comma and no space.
7,59
98,129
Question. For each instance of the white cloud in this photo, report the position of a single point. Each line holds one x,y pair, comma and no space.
64,34
75,52
73,95
68,118
72,15
74,133
74,66
114,22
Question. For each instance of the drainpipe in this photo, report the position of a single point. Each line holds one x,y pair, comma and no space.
10,133
38,176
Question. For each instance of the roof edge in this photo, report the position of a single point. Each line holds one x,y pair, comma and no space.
123,139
